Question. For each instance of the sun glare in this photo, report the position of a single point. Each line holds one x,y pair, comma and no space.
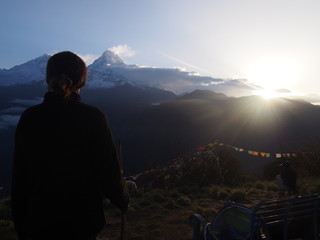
274,73
268,94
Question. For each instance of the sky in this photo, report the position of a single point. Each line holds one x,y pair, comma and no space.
274,44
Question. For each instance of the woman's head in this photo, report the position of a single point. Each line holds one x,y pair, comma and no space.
66,73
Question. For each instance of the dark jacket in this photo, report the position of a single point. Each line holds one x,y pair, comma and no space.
65,164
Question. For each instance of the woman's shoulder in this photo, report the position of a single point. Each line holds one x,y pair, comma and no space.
30,111
90,112
90,109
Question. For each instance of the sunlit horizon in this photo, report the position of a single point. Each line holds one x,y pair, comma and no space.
269,94
273,44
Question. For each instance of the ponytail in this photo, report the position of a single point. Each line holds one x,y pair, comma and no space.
61,84
66,72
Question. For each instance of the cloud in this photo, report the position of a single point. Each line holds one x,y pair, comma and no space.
28,102
182,69
233,87
10,116
185,63
123,51
8,120
13,110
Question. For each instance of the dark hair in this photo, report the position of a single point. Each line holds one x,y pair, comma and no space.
66,72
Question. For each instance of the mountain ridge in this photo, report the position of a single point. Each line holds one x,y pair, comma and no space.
28,72
109,70
155,124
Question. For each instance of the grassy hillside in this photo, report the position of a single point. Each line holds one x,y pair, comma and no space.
162,213
198,182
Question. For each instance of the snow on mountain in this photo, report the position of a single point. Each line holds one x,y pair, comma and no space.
30,71
109,70
108,58
101,72
104,78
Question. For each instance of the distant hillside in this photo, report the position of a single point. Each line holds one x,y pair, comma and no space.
155,126
178,126
251,122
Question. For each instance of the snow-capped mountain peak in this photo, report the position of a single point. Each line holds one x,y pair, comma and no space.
39,62
33,70
101,73
108,58
109,70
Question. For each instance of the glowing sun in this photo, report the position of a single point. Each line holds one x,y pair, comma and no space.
274,73
269,94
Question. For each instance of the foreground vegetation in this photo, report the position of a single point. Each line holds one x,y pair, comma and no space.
162,213
198,182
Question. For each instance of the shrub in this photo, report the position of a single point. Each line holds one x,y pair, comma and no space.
183,201
205,190
223,194
188,189
230,167
144,202
313,186
212,166
237,195
150,197
159,198
270,170
5,210
253,192
214,192
209,213
259,185
272,187
248,185
174,194
171,204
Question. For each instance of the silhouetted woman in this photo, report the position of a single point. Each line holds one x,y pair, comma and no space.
65,161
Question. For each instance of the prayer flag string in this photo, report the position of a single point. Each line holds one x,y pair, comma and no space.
263,154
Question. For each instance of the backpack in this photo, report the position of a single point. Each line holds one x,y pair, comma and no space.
232,222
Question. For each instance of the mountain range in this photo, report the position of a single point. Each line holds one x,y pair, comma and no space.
109,70
157,114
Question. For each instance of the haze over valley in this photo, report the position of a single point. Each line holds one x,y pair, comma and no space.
160,113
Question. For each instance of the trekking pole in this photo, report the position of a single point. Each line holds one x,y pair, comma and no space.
123,214
123,226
